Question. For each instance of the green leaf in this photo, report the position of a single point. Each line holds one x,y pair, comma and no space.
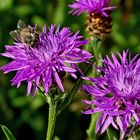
7,133
67,98
112,134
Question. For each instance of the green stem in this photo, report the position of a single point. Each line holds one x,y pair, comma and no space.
96,51
52,113
97,55
51,120
91,130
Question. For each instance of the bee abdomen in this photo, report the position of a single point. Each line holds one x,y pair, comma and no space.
98,25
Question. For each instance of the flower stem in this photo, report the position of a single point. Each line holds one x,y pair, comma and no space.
97,56
91,130
51,120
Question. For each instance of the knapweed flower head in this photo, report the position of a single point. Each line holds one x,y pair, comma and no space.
91,6
99,19
57,51
116,94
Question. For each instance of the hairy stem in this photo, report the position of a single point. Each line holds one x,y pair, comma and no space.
51,120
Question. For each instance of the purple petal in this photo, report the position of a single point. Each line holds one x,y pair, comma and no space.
58,80
107,122
29,88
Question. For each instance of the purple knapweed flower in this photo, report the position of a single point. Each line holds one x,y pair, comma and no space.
116,94
95,6
57,51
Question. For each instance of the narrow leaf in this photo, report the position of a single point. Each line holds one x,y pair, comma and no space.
69,96
112,134
7,133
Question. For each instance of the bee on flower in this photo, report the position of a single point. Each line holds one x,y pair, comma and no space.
57,52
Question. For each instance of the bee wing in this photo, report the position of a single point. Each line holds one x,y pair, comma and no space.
21,24
15,35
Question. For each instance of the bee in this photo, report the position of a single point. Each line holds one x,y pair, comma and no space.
25,34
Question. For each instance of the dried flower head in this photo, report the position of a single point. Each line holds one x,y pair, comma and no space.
116,94
57,52
99,19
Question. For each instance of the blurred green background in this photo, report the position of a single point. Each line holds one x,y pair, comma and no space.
27,116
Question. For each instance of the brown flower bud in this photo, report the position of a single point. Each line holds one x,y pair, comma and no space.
99,25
